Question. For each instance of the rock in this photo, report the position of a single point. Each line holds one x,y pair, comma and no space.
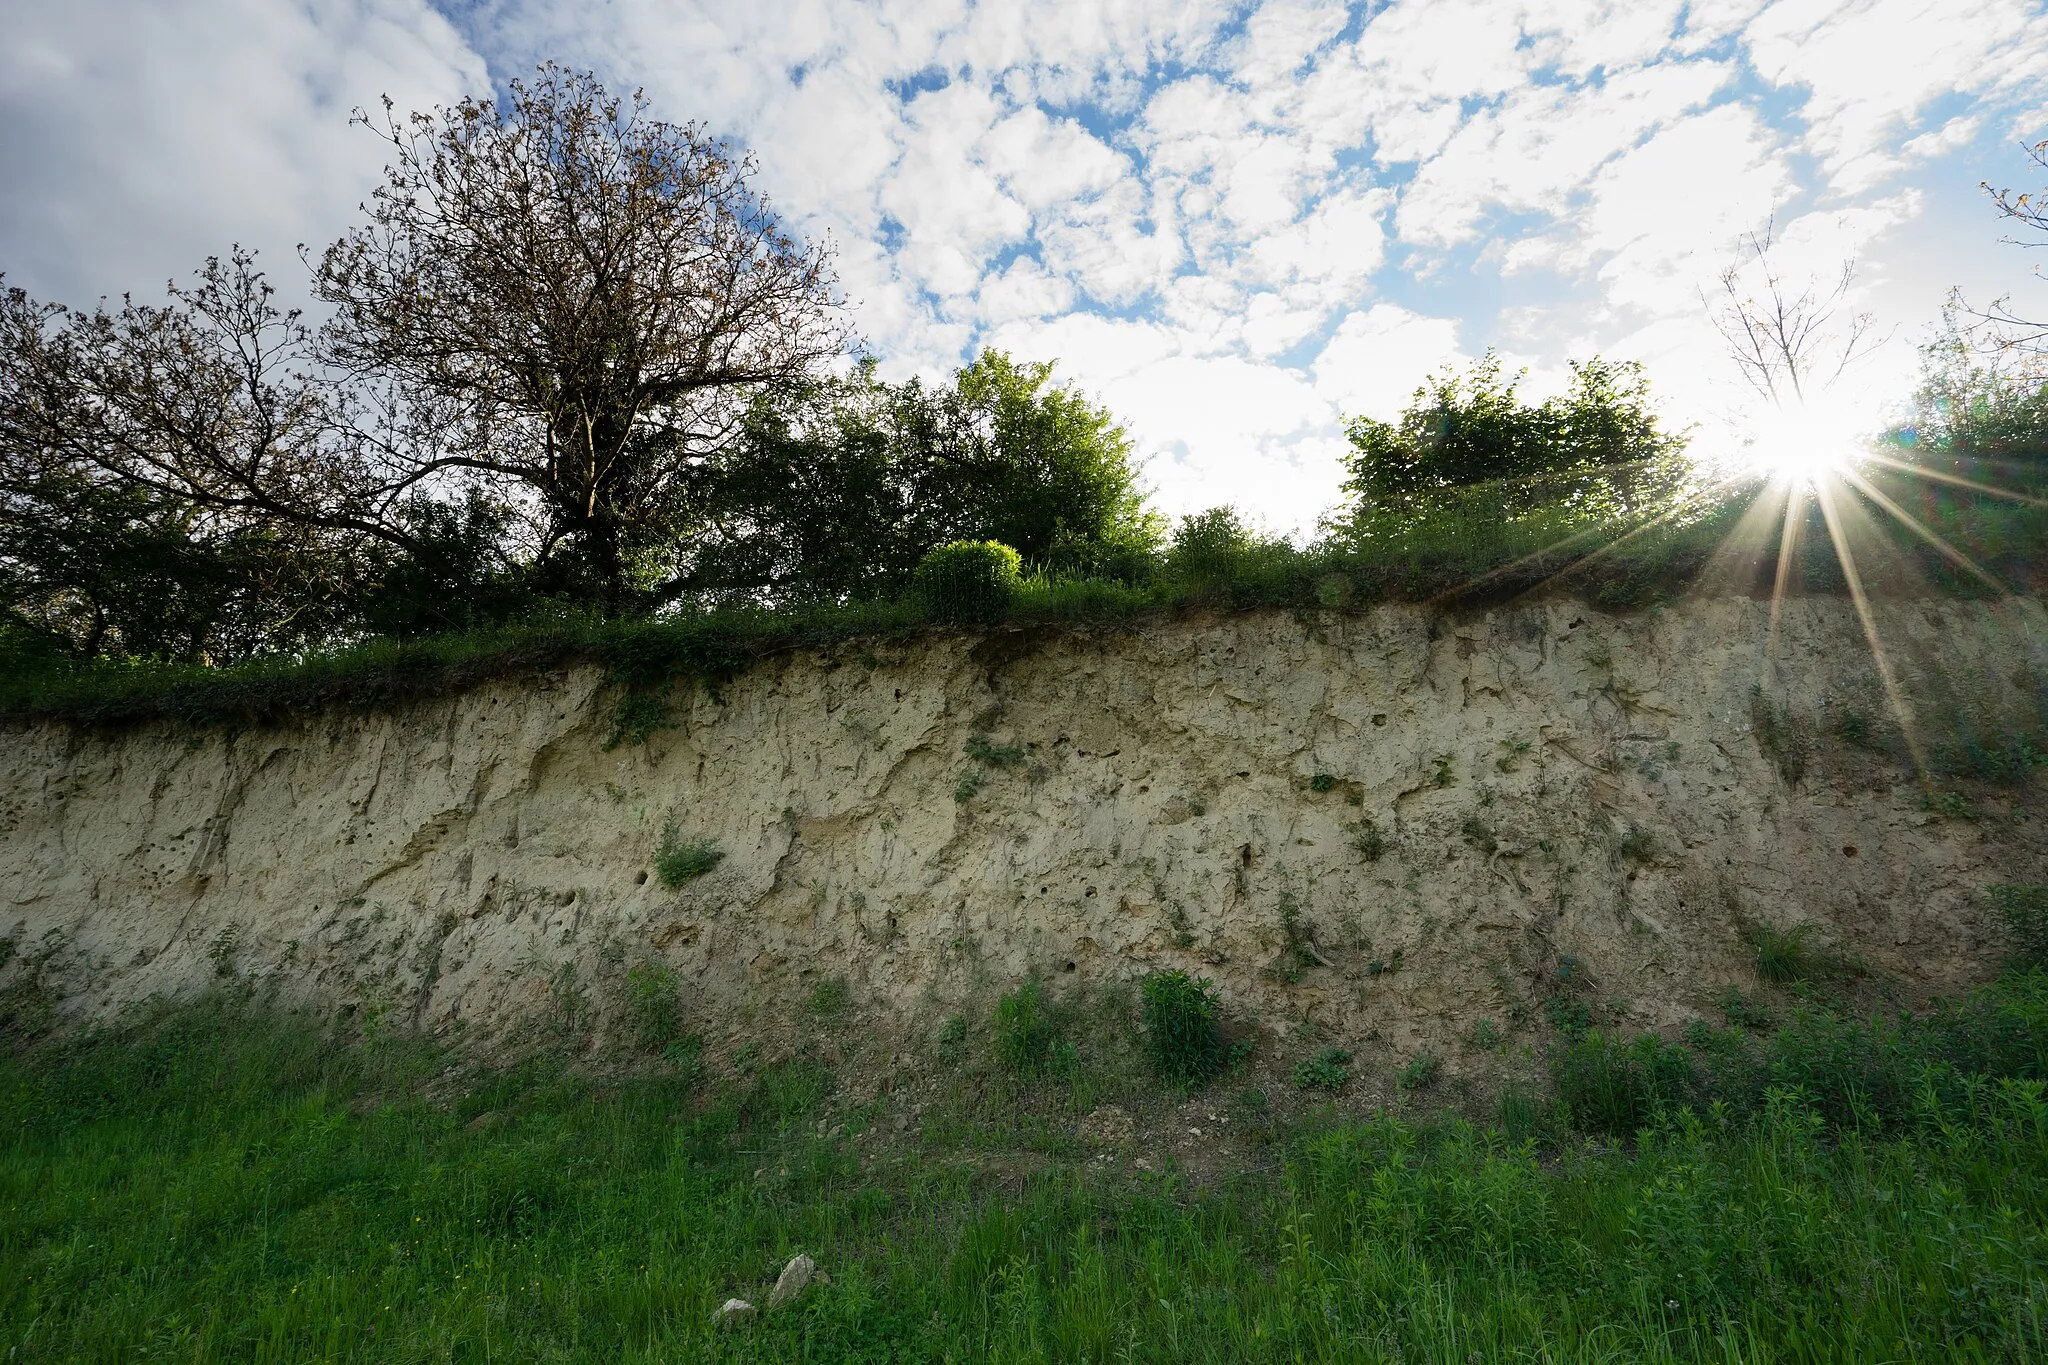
732,1312
795,1277
1108,1126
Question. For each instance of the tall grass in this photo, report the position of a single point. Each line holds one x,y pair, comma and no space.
220,1183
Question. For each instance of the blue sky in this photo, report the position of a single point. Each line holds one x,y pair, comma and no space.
1234,223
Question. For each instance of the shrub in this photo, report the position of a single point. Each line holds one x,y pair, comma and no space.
968,581
652,996
1329,1069
682,861
1608,1086
2024,912
1421,1073
1024,1030
1182,1032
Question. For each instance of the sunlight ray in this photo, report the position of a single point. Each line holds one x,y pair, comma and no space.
1920,471
1912,523
1895,696
1788,549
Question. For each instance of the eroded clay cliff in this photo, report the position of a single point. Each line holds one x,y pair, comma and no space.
1385,824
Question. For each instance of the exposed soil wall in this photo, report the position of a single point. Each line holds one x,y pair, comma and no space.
1380,826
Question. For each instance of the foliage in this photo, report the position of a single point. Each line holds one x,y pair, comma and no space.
1783,737
968,581
1788,954
1183,1027
195,1181
1420,1073
1598,446
1024,1032
652,1004
680,861
2023,910
1328,1069
591,376
1611,1086
837,488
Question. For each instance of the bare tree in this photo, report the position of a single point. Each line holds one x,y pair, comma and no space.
566,296
2003,329
1790,339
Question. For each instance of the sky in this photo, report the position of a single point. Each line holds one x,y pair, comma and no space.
1236,224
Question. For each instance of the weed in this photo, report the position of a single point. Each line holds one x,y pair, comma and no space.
1419,1074
829,997
953,1033
638,715
1024,1030
1786,955
1183,1030
1637,846
1328,1069
1478,835
680,861
992,755
1950,805
2023,910
1177,920
1442,775
1744,1013
1781,735
967,786
1297,942
1609,1086
652,1004
1855,728
1367,839
1322,782
1517,1112
223,950
1383,966
1513,751
1570,1017
1485,1036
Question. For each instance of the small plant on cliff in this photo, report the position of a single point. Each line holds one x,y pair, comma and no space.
1024,1030
682,861
1784,955
1183,1031
653,997
2024,912
1367,839
968,581
1419,1074
1329,1069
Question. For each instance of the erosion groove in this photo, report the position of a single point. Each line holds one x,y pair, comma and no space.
1539,784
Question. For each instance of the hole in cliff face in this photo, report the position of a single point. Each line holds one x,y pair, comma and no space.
640,880
1091,893
1041,891
1848,850
1069,967
1380,719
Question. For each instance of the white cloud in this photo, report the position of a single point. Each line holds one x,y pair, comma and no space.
1178,197
143,137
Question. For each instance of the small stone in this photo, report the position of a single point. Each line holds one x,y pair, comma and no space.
1108,1126
795,1277
732,1312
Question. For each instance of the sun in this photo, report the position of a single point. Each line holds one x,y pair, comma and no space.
1802,446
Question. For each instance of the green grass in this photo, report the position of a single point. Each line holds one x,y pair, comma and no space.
220,1182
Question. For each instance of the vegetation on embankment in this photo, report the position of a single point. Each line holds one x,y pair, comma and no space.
219,1181
1463,554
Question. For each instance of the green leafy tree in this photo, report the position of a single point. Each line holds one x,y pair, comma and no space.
1599,444
840,488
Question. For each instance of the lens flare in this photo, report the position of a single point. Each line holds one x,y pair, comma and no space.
1802,447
